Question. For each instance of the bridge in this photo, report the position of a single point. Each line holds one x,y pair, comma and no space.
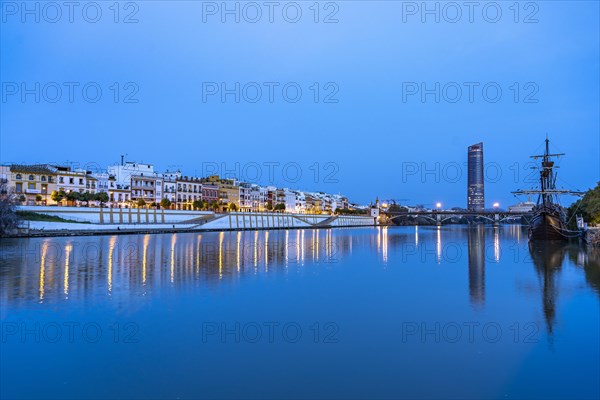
439,216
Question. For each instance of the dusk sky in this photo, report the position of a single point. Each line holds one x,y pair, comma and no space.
362,126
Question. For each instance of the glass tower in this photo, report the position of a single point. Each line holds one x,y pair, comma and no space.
475,197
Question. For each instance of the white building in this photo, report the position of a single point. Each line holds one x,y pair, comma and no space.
300,202
289,200
523,207
77,180
124,172
170,185
259,197
102,181
246,202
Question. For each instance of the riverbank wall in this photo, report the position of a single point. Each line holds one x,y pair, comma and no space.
103,221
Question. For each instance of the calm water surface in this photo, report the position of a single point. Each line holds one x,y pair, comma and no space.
399,312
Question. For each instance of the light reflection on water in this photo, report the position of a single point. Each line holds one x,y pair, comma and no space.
371,282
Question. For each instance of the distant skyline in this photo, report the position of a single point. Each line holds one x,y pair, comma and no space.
385,109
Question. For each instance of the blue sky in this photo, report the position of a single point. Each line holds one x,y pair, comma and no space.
373,136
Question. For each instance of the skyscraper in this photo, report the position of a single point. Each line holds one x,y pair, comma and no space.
475,197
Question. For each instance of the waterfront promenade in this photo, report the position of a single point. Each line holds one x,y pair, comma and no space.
93,221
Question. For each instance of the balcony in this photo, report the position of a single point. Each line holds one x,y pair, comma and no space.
33,191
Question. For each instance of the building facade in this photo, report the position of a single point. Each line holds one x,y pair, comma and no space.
189,190
32,184
78,180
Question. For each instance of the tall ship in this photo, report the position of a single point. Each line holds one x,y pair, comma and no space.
549,219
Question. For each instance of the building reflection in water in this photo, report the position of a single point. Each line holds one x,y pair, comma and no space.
68,249
496,243
71,269
438,245
476,249
58,269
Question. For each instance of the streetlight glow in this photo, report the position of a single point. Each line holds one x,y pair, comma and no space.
496,205
438,205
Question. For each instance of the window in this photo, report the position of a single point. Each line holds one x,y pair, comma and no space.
80,181
31,186
31,177
43,178
19,188
61,180
71,181
19,176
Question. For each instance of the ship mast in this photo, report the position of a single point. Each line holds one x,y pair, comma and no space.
548,191
547,175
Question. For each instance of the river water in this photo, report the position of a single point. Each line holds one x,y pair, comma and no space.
398,312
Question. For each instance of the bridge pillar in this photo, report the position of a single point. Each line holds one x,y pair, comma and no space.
496,219
438,220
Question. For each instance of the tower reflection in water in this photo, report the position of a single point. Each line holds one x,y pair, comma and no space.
476,246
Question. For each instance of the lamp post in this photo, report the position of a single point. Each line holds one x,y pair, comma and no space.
496,215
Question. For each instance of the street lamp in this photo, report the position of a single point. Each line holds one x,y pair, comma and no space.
496,205
438,205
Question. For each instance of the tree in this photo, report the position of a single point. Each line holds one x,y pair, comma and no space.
141,203
73,197
8,216
38,198
397,208
58,196
165,203
588,207
22,198
232,207
269,206
197,204
102,197
214,205
279,207
86,197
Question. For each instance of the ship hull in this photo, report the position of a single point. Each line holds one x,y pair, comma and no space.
546,225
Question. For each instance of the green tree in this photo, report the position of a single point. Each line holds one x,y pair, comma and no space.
165,203
58,196
232,207
22,198
141,203
197,204
279,207
38,198
214,205
588,207
397,208
102,197
86,197
72,197
269,206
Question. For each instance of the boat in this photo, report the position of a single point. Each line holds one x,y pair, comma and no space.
549,219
